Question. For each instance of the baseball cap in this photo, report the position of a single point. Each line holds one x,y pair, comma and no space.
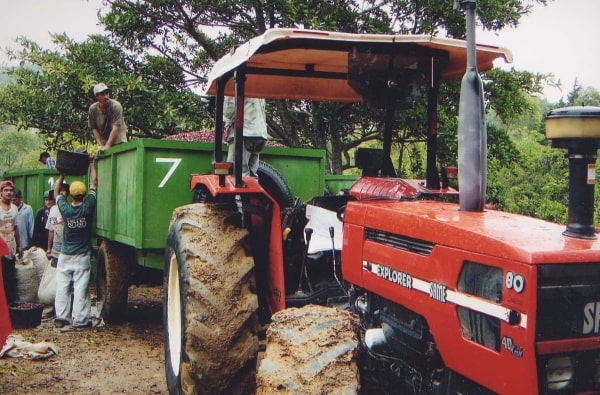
99,88
7,184
49,194
77,188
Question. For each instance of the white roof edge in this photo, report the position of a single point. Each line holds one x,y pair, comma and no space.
245,51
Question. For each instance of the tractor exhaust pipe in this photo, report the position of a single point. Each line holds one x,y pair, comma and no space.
472,133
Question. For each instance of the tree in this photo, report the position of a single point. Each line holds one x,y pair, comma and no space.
52,91
13,144
583,96
535,181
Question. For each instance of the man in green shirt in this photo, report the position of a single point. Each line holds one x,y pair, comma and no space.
74,261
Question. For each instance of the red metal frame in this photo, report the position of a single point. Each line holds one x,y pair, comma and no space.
276,294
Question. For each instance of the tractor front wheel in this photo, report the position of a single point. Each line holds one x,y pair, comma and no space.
210,303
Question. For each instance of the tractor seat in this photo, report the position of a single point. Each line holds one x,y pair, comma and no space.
322,214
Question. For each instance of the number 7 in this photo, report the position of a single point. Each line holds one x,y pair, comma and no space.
174,163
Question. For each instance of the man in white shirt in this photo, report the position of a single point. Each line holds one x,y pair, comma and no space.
255,132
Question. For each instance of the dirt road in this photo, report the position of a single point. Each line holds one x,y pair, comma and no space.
113,359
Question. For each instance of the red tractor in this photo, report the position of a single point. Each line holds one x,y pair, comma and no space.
452,298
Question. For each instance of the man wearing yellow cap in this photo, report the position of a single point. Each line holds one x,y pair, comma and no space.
74,261
105,117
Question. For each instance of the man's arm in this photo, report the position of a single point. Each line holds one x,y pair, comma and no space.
114,132
93,125
93,175
18,242
116,117
50,242
97,137
57,184
29,224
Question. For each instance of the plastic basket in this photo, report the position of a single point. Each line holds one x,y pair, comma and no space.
25,315
72,163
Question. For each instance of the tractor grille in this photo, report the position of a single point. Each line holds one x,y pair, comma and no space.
405,243
568,297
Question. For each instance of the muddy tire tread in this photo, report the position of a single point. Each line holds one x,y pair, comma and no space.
219,344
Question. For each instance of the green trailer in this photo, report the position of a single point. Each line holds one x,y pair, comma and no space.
139,184
336,184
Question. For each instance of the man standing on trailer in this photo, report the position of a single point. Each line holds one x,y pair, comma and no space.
48,161
255,132
105,117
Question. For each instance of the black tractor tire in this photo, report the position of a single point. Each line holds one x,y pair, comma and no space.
273,182
310,350
112,280
210,303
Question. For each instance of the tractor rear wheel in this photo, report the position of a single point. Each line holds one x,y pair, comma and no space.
112,280
210,303
273,182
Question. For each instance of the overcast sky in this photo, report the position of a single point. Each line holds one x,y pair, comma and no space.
560,39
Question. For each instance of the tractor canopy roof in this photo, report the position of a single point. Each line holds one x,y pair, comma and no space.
340,67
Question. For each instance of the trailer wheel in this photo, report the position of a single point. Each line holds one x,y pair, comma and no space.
112,280
310,350
210,304
275,185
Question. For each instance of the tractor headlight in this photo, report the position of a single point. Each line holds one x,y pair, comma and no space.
560,372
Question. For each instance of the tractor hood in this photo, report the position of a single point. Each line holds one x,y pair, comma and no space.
275,60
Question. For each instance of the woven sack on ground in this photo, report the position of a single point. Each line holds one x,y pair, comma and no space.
27,282
47,289
40,260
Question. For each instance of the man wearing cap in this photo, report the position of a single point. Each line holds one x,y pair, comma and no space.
105,117
55,225
40,234
74,261
48,161
8,218
10,233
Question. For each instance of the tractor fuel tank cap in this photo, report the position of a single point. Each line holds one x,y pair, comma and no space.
578,122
